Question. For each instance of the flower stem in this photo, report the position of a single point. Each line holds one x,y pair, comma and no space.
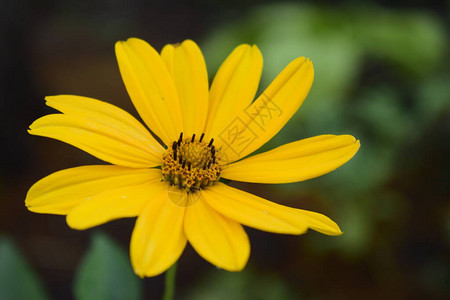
169,286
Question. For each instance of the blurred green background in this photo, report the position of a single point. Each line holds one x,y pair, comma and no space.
381,74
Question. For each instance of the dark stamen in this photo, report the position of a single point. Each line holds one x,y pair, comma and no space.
189,166
213,159
201,137
180,139
184,164
180,160
211,142
174,148
193,138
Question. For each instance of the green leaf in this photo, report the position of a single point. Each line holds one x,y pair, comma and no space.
105,273
17,279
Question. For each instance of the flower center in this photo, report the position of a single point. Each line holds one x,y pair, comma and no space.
191,164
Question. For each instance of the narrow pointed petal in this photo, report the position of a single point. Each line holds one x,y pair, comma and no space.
265,117
187,66
97,139
320,223
167,54
150,87
115,203
158,238
113,121
233,88
256,212
219,240
61,191
297,161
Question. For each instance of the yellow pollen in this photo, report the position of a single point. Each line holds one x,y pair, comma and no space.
191,164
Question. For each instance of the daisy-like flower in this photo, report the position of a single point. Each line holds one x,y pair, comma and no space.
174,185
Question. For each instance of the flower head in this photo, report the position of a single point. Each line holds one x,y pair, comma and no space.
205,134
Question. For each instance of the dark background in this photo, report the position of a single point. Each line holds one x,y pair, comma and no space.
381,75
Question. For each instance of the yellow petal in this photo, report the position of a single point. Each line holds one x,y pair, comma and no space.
60,192
151,88
114,203
188,69
297,161
158,239
256,212
219,240
167,54
258,123
104,113
234,88
110,116
320,223
98,139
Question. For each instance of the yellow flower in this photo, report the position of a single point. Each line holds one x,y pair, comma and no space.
175,190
